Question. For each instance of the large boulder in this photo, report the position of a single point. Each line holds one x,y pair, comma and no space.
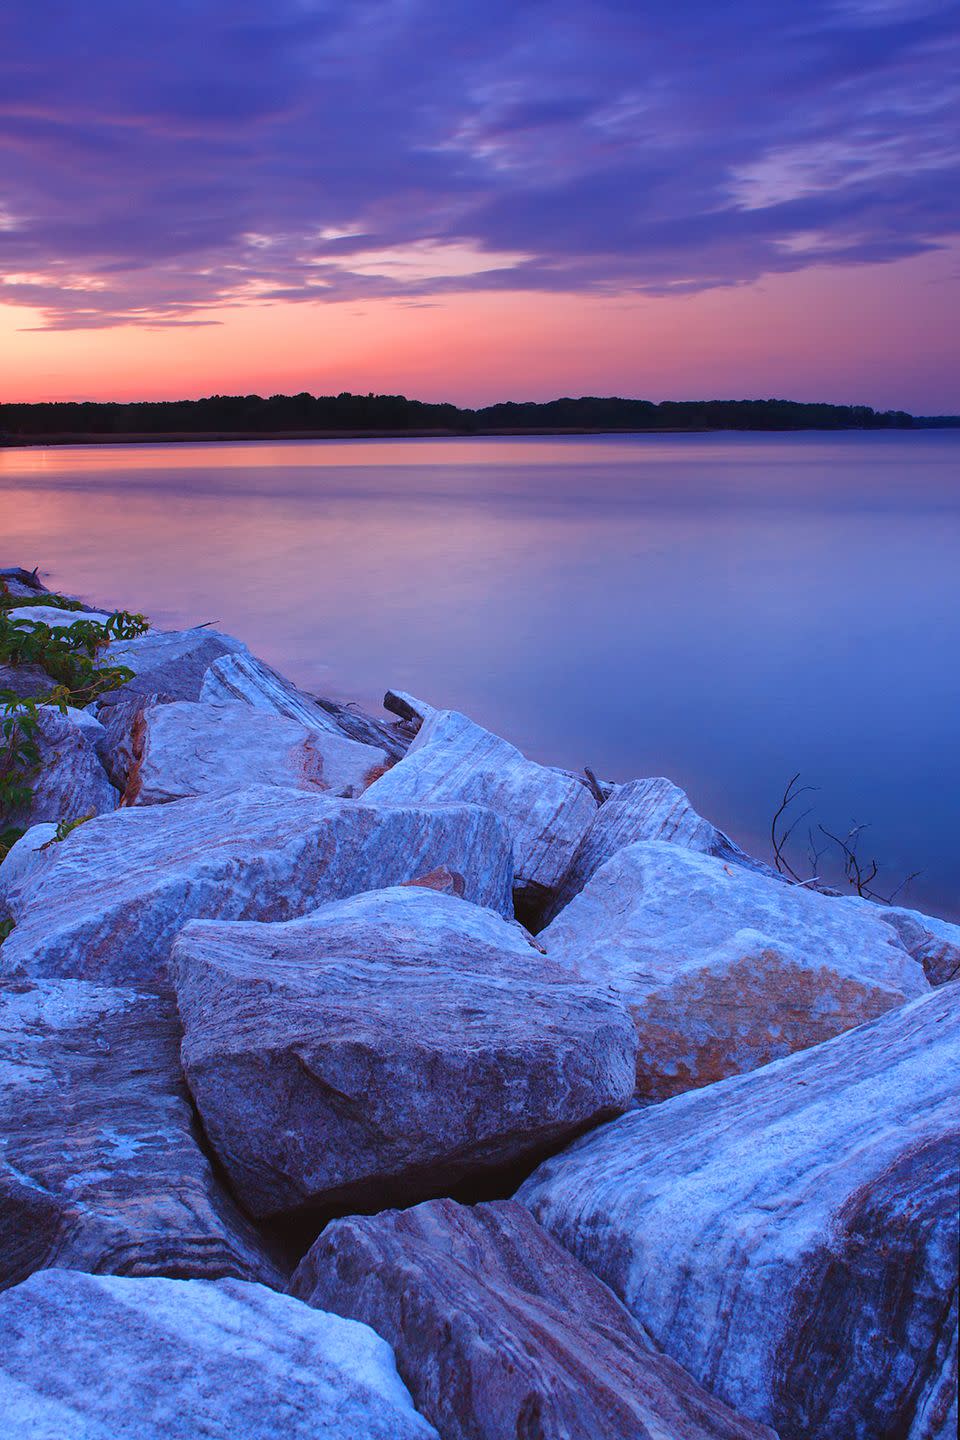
724,969
71,781
121,887
498,1332
451,758
100,1165
933,942
95,1357
190,748
790,1236
652,809
387,1048
170,664
243,678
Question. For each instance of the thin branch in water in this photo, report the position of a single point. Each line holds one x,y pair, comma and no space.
779,841
902,886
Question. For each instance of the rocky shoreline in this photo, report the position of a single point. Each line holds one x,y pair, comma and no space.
363,1077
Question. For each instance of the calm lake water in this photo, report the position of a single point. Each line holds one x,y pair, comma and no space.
722,609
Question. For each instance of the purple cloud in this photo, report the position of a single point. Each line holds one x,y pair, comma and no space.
156,162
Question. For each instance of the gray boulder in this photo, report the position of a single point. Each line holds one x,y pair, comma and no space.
652,809
388,1047
94,1357
72,781
192,748
100,1166
121,887
170,664
724,969
499,1332
547,813
789,1236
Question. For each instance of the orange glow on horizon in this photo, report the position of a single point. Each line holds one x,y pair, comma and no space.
837,334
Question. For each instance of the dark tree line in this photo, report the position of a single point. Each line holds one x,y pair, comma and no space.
265,415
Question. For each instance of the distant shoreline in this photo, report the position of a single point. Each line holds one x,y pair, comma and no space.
185,437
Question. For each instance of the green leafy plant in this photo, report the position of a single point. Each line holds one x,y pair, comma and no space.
69,656
19,751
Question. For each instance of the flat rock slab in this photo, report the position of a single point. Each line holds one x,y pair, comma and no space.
387,1048
72,781
789,1236
723,969
56,617
167,663
652,809
499,1332
94,1357
451,758
100,1166
122,886
190,748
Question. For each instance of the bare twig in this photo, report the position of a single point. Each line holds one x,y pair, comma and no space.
903,885
779,841
859,874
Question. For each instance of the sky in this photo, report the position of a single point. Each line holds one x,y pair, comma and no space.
472,202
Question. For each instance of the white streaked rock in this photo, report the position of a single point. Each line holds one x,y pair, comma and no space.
243,678
452,759
388,1046
499,1332
100,1162
651,809
121,887
790,1236
240,677
189,748
97,1357
724,969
